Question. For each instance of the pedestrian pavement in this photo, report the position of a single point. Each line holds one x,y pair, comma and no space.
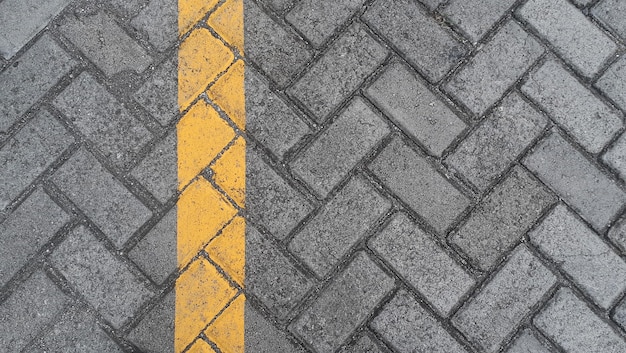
421,176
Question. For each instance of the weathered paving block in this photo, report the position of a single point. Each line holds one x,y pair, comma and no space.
329,159
29,153
348,61
271,276
158,170
105,43
427,46
159,20
344,305
580,253
408,328
363,345
101,197
619,314
414,180
502,218
155,332
592,122
610,13
476,17
495,312
159,93
126,7
574,37
613,82
490,149
495,68
33,306
418,112
102,279
571,324
423,264
617,234
279,5
341,223
597,198
262,336
21,20
103,119
21,86
527,343
26,230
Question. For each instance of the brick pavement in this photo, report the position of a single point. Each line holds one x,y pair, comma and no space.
421,176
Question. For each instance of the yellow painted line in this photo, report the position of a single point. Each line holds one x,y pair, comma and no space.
209,301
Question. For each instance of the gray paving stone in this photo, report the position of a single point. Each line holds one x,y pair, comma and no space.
572,105
155,332
37,71
580,253
101,197
476,17
158,171
617,234
495,68
155,254
263,337
422,263
159,93
159,20
335,152
571,324
279,5
340,224
103,120
574,37
502,218
496,311
432,4
271,276
613,82
415,109
527,343
348,61
26,230
29,153
409,328
364,345
21,20
411,177
269,118
279,53
490,149
105,43
344,305
102,279
319,20
427,46
127,7
597,198
33,305
610,13
619,314
270,200
616,156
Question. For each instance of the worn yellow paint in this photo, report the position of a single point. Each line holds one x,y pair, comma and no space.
191,12
228,94
227,332
227,21
200,346
228,249
230,172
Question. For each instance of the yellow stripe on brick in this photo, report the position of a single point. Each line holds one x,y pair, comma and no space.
211,233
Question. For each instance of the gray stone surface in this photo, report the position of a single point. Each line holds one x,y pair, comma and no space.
339,225
613,82
422,263
415,181
502,218
427,46
571,324
408,328
569,103
159,20
158,170
279,5
610,13
262,336
340,147
495,68
348,61
476,17
527,343
494,313
573,35
619,315
344,305
615,156
597,198
126,7
364,345
617,234
415,109
580,253
490,149
158,94
155,332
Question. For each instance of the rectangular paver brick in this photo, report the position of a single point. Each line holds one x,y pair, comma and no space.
579,252
415,109
496,311
613,82
616,156
495,68
155,331
611,13
335,152
158,170
592,122
619,314
527,343
262,336
427,45
476,17
159,94
159,20
573,35
576,180
571,324
344,305
348,61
